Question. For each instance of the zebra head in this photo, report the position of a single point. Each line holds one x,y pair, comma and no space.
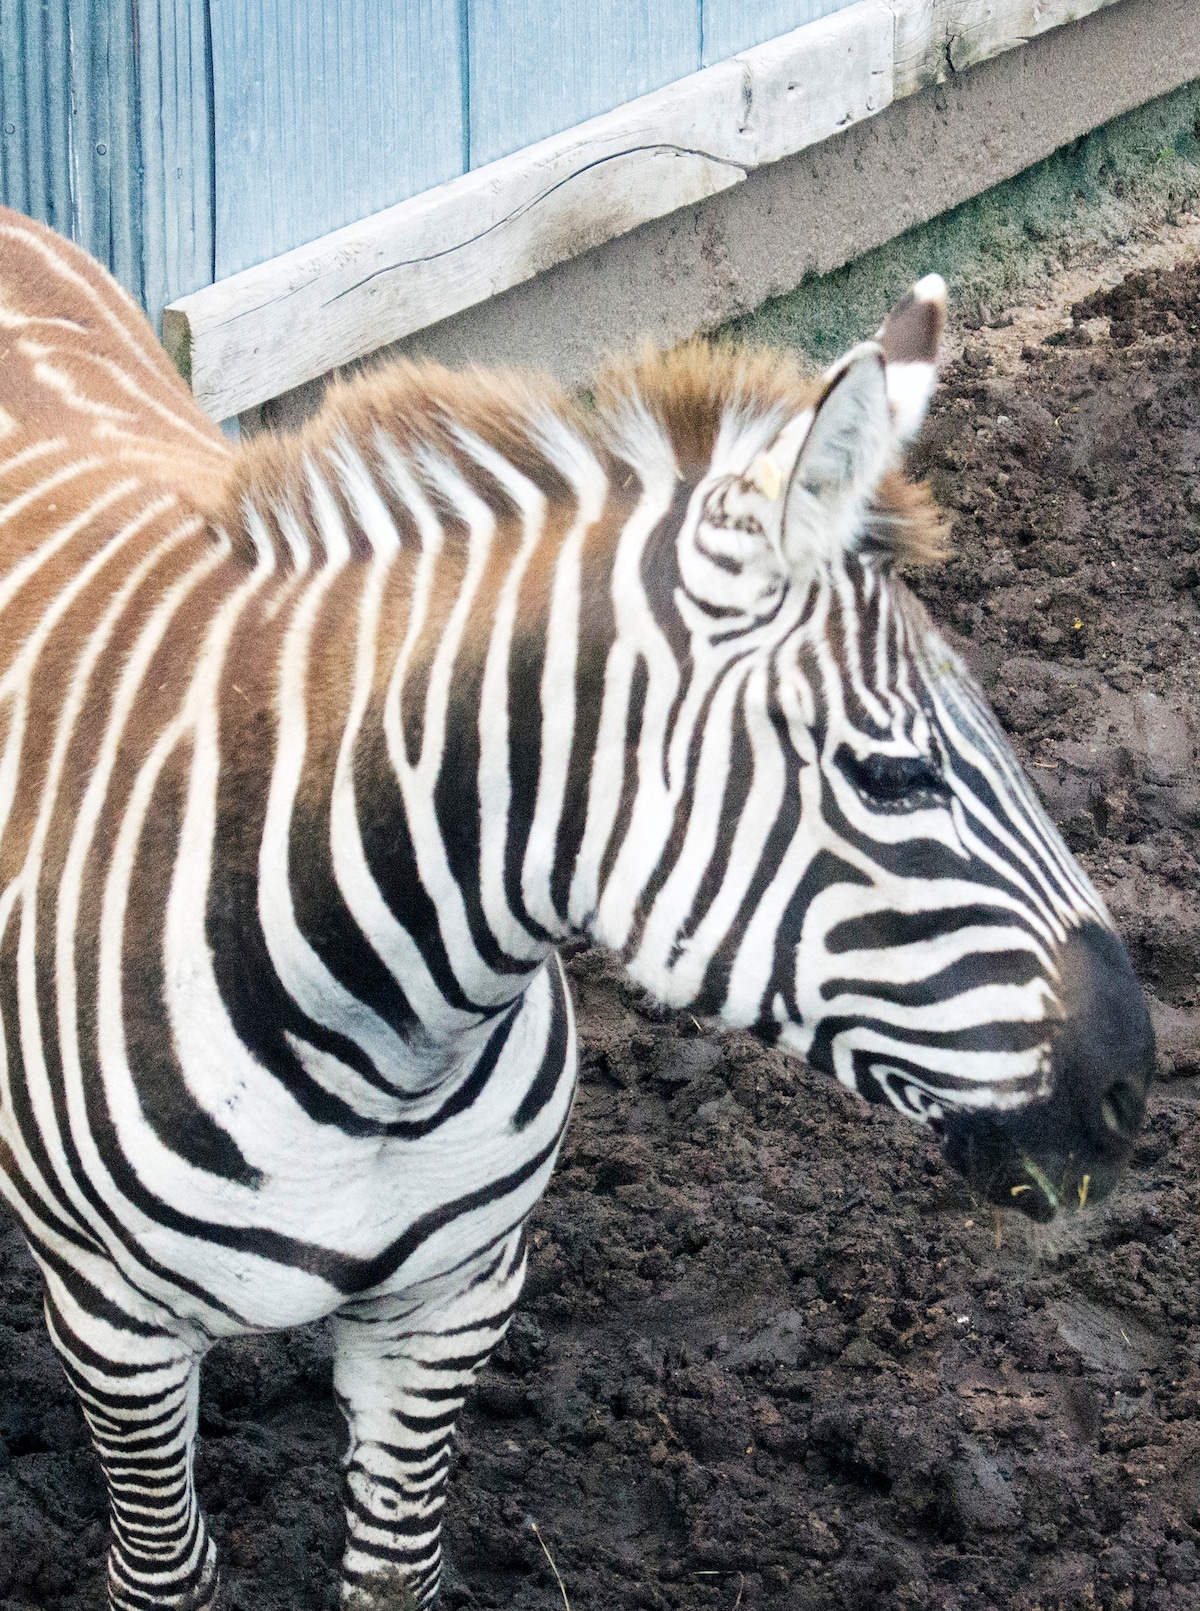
831,840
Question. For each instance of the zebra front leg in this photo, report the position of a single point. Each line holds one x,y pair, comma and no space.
401,1372
140,1388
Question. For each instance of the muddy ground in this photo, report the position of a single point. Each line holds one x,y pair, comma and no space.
771,1353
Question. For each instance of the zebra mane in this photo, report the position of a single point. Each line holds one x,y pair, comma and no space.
701,406
421,411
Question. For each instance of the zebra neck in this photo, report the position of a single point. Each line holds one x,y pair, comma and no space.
457,686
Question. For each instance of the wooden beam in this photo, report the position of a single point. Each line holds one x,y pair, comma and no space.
270,328
936,38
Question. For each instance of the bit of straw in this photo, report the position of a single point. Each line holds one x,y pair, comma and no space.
1032,1170
1015,1191
999,1229
764,473
1083,1189
538,1535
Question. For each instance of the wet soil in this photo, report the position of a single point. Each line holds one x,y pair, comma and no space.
772,1353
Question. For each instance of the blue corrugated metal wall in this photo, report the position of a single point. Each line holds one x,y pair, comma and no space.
106,133
182,140
68,124
324,113
176,131
538,66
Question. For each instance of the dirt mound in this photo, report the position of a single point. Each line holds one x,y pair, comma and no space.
771,1353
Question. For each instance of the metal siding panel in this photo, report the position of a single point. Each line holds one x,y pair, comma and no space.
733,25
323,114
14,120
35,92
106,157
176,140
538,66
68,134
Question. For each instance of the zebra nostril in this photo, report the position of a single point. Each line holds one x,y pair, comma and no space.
1105,1054
1121,1109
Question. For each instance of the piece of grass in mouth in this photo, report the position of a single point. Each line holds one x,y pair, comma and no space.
1032,1170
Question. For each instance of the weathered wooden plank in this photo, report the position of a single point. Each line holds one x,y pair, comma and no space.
935,38
272,327
315,118
536,69
733,25
801,88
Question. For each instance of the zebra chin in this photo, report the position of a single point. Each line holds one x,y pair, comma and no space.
1067,1149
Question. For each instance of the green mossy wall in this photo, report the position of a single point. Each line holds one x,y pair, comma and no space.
1137,171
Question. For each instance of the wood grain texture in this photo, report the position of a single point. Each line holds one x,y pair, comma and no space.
732,25
261,332
935,38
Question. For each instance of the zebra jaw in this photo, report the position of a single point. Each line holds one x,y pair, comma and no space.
1068,1146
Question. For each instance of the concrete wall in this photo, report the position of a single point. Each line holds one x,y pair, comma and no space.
1087,203
813,213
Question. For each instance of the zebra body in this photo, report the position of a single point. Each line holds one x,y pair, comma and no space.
309,756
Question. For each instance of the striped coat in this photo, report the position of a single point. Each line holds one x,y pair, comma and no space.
310,753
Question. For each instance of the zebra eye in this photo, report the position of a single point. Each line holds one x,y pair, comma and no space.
894,782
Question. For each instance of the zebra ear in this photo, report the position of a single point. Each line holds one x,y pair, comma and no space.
910,338
827,462
835,455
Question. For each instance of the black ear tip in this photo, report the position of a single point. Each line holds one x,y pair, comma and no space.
912,332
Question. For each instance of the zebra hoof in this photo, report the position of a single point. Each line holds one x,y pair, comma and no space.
384,1591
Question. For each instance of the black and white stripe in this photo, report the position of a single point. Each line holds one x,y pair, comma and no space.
308,759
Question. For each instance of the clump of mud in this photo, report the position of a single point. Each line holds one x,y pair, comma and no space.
771,1353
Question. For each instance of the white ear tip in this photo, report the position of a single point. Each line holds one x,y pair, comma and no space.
931,289
909,388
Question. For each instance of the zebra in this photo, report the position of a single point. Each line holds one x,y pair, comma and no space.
313,750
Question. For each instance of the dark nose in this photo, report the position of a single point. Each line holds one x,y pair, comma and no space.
1072,1141
1104,1056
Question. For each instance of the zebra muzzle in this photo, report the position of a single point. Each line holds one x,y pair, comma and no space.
999,1169
1067,1149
